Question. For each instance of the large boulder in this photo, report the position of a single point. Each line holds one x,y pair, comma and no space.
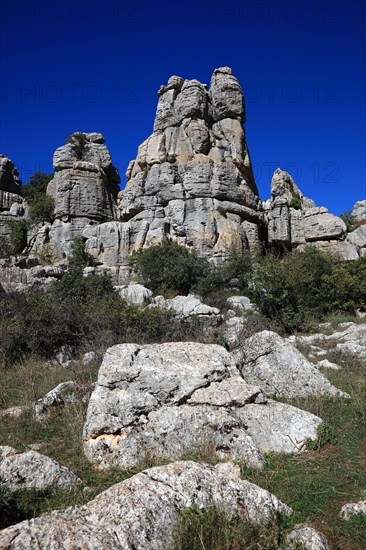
278,368
142,512
168,400
32,470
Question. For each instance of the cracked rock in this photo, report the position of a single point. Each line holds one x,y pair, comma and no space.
169,400
140,513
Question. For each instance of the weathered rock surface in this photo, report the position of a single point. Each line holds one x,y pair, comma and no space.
135,293
353,509
167,400
32,470
192,179
278,368
11,203
359,211
61,394
294,221
189,308
18,275
85,189
241,303
141,512
308,538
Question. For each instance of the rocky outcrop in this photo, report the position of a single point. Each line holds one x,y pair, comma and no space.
85,188
192,180
168,400
141,512
20,274
32,470
11,203
359,211
294,221
278,368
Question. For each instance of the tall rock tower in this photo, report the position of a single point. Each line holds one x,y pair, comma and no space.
192,180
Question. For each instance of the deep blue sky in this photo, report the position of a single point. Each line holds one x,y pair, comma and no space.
97,65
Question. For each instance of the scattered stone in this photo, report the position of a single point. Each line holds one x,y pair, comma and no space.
189,308
64,355
325,364
278,368
135,293
308,538
141,512
89,357
14,412
32,470
241,303
61,394
353,509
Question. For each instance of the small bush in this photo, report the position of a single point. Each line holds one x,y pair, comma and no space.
41,208
295,202
18,236
169,268
78,142
37,185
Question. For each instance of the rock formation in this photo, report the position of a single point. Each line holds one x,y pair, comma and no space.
141,512
192,180
11,203
294,221
85,188
167,400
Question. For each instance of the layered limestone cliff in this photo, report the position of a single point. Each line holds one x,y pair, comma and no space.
11,203
294,222
85,188
192,180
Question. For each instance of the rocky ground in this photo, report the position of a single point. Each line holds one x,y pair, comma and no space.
151,441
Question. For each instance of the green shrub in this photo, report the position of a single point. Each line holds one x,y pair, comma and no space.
18,236
41,208
295,202
37,185
169,267
78,142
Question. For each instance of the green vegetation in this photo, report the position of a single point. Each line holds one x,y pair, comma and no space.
295,291
78,142
18,236
295,201
80,312
213,529
169,268
37,185
41,209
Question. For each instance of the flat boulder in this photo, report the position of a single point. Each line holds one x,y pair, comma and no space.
165,401
142,512
279,369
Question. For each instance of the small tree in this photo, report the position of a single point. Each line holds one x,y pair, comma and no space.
37,185
78,142
41,208
169,267
18,236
